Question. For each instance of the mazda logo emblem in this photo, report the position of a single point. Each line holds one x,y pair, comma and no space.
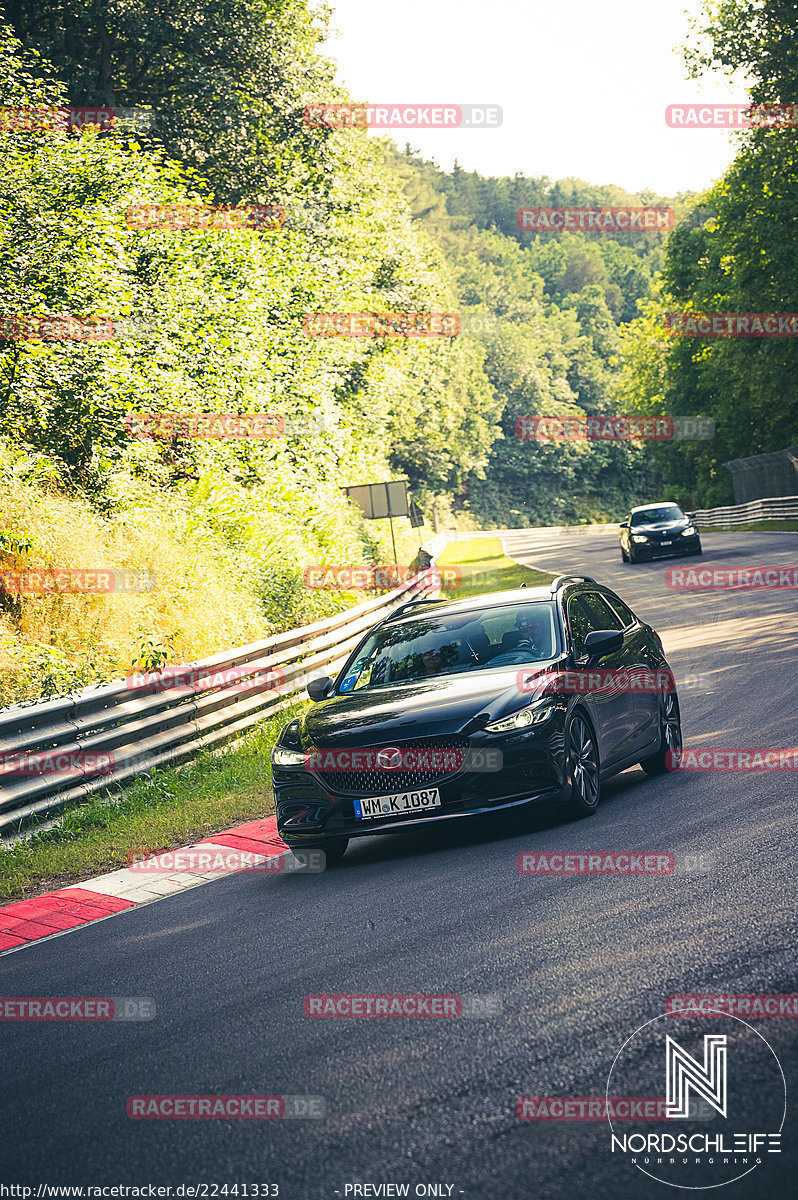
390,759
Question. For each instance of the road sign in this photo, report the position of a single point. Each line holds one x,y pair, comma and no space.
380,499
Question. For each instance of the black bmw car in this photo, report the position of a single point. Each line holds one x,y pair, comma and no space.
452,708
658,531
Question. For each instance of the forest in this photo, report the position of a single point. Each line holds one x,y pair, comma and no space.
108,318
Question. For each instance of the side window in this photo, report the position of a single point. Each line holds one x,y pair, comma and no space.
626,614
601,615
579,626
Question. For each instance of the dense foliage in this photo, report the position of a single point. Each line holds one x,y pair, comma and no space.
208,319
547,309
734,252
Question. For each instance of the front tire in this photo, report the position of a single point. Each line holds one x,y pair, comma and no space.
334,850
624,555
670,735
583,767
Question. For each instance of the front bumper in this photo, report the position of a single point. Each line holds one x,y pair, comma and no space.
679,547
311,811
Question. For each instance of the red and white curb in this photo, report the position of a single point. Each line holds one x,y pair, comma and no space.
27,921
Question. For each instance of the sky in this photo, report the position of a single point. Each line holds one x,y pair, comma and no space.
583,85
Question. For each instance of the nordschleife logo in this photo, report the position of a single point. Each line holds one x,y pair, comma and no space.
725,1102
683,1075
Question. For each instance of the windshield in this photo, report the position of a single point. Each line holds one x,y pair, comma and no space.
445,645
663,512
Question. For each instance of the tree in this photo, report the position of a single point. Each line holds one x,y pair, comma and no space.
756,37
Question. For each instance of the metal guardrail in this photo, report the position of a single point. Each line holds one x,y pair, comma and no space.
773,508
54,752
769,509
105,735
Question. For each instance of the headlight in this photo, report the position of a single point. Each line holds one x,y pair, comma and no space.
521,719
283,757
639,537
690,531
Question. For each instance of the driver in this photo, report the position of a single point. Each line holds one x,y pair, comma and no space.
533,639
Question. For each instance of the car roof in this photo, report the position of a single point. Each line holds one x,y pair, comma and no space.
512,596
656,504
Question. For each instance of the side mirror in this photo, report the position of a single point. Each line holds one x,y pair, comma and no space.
690,516
319,688
603,641
624,525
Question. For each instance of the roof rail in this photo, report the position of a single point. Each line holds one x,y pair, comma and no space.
557,583
411,604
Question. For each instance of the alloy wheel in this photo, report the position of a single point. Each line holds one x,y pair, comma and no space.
584,764
671,723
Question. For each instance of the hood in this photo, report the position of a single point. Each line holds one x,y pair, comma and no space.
423,708
661,526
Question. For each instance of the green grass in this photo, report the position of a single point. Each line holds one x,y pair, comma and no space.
753,527
170,808
484,567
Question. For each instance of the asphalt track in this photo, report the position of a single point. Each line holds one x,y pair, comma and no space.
577,963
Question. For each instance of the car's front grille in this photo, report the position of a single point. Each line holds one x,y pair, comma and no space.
665,535
377,782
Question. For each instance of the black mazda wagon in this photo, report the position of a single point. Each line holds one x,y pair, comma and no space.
449,708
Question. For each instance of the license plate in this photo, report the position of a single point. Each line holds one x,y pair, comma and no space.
398,804
666,543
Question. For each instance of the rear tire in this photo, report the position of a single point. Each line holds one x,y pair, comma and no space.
670,734
583,767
